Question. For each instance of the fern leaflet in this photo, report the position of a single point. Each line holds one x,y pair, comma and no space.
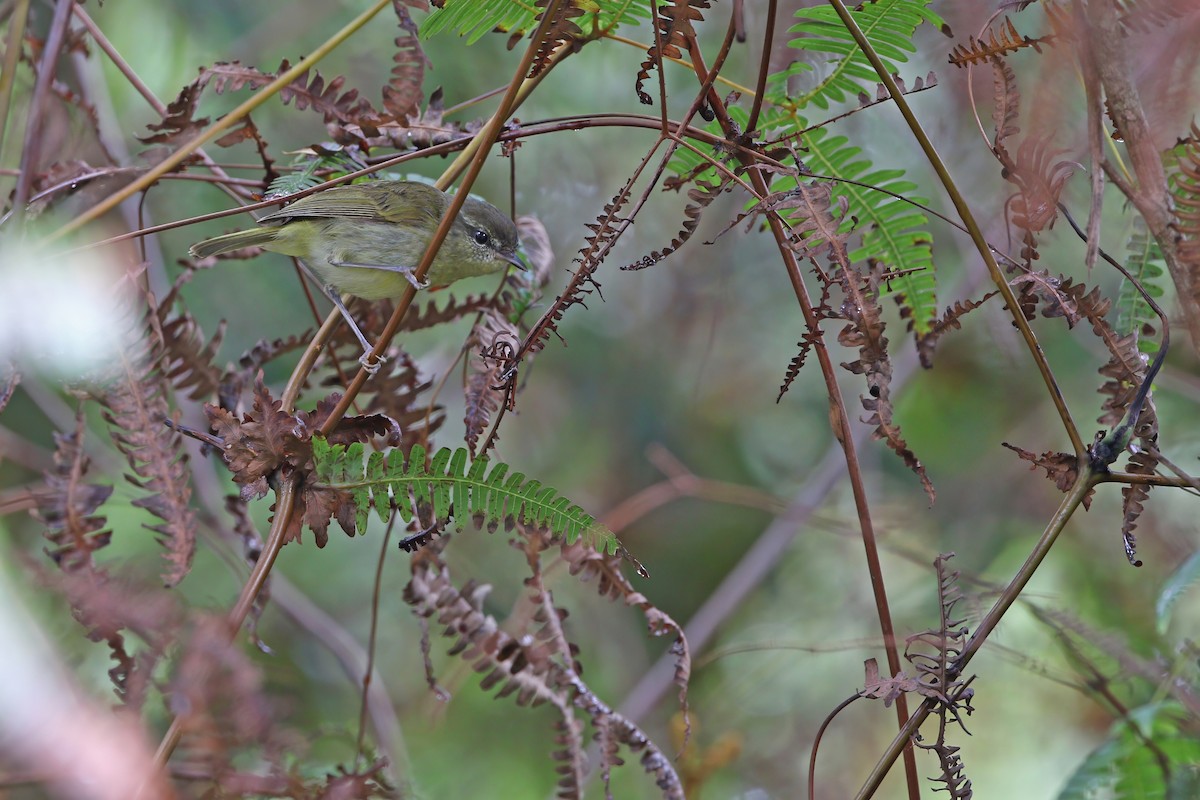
1145,263
476,18
888,24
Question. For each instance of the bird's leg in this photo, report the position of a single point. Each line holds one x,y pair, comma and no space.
329,291
407,272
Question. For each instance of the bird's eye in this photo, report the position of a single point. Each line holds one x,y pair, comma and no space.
481,237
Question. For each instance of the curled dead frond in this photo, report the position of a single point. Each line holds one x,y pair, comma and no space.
535,241
675,30
952,778
1062,468
561,30
134,398
604,233
268,441
700,198
1040,179
949,321
935,652
402,94
187,358
491,345
222,690
530,668
1187,206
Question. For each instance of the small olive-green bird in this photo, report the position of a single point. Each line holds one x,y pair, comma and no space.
366,239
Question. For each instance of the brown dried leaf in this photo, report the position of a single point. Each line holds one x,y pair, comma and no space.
1062,468
1006,102
264,440
1040,181
888,690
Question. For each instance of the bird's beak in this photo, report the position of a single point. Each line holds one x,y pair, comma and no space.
515,260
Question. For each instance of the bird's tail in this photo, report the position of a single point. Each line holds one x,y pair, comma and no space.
233,241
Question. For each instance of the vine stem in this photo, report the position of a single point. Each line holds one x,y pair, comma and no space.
1086,481
973,229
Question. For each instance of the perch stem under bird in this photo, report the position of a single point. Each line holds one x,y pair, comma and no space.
366,240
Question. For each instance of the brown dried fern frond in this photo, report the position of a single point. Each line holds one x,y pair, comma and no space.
1062,468
562,29
587,565
934,653
1040,179
327,99
222,690
604,233
1143,16
865,332
1006,102
134,402
67,505
954,782
1186,195
187,358
949,321
402,94
1009,40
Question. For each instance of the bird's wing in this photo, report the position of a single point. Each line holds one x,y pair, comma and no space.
380,202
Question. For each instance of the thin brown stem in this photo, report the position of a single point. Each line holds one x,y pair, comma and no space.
764,65
16,34
840,422
31,150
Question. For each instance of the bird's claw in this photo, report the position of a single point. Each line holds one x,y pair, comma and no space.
371,366
416,284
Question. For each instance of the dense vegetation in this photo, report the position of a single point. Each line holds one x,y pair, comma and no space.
793,459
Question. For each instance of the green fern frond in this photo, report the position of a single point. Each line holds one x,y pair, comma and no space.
309,165
476,18
1146,264
888,24
454,491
